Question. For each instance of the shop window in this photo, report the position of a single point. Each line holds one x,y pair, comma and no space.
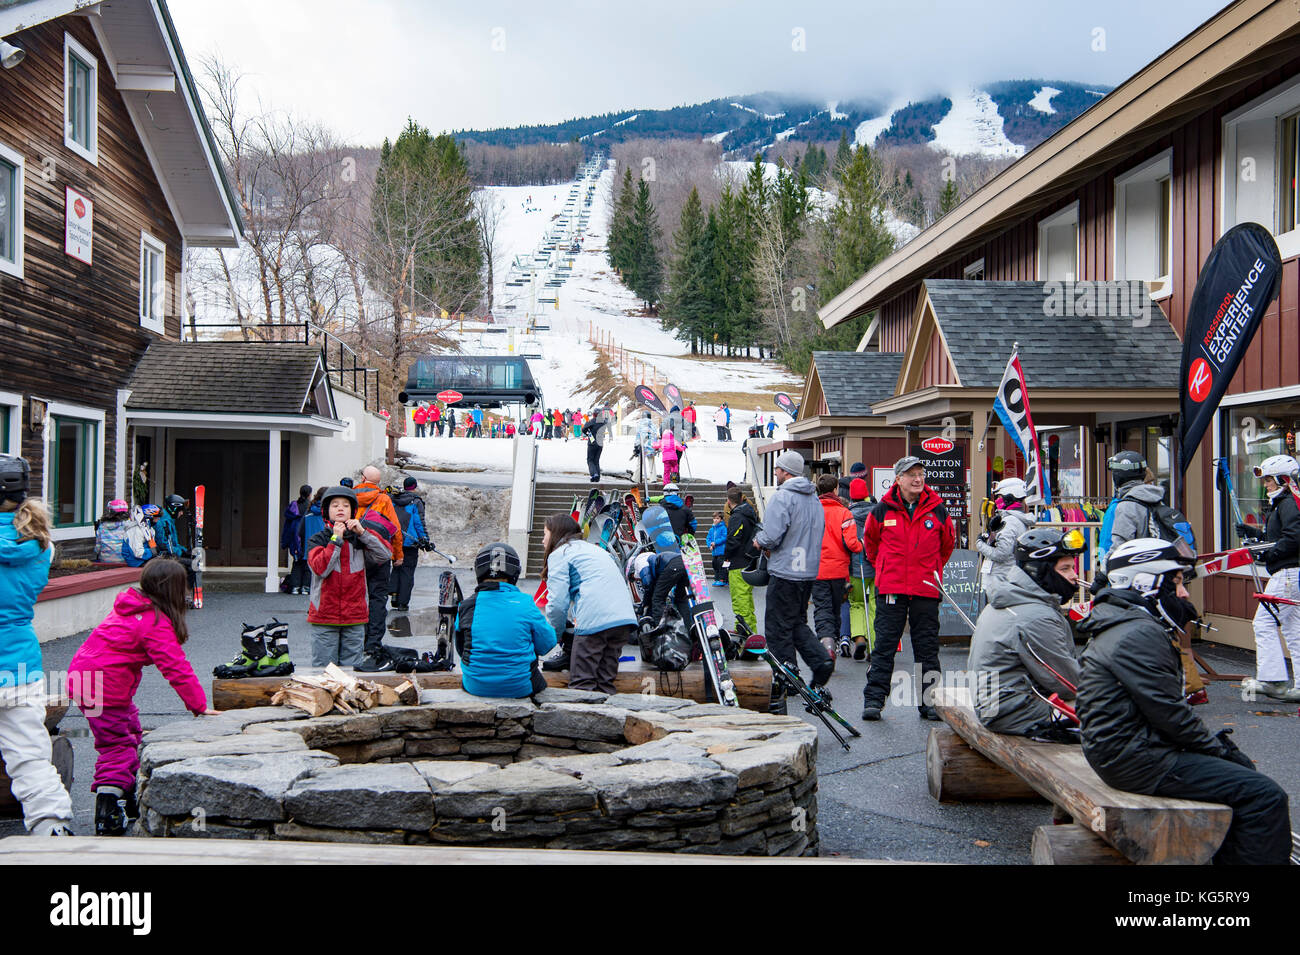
80,100
1248,435
1261,158
1058,246
76,455
1142,217
11,212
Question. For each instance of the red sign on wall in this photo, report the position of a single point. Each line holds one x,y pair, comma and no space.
449,397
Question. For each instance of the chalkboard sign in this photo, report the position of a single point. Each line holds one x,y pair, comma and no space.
963,585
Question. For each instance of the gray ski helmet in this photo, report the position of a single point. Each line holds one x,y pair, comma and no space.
344,492
1037,552
15,478
497,561
1126,466
756,574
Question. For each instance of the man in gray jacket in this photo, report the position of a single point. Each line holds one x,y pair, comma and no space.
1023,649
792,534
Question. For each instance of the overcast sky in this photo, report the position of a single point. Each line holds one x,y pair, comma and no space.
363,66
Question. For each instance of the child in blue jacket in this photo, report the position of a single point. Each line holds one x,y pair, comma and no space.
717,541
500,632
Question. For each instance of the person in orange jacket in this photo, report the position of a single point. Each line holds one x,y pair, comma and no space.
839,540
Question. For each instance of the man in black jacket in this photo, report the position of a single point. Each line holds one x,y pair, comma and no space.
1278,475
1139,732
402,579
736,556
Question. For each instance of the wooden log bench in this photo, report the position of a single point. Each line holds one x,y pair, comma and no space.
1109,827
753,684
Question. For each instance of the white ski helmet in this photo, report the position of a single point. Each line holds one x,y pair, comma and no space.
1280,467
1143,564
1011,487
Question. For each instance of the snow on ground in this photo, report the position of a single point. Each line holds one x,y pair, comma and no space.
718,137
869,131
835,115
973,126
1042,100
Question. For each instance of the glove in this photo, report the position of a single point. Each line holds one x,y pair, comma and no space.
1230,750
996,522
1245,530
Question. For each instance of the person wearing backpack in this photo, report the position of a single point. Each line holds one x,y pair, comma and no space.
839,543
410,517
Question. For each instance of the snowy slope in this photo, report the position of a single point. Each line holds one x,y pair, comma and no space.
869,130
973,127
1042,100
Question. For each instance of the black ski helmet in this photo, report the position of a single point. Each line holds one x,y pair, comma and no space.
756,574
499,561
1037,552
1126,466
15,478
345,492
174,504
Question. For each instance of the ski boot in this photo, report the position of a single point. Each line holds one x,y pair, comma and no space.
110,818
252,649
275,661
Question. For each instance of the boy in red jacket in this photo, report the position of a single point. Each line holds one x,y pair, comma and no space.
839,540
908,538
338,609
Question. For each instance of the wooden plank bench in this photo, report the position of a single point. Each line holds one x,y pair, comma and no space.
1148,830
753,684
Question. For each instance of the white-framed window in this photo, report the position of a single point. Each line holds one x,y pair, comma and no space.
11,212
974,272
11,426
1058,246
74,468
153,282
1143,212
80,100
1261,160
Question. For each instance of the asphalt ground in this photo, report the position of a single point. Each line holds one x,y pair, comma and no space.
873,800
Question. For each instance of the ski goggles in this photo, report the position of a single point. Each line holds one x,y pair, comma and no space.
1073,541
1259,473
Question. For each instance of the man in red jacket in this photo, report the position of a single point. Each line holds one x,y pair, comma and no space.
908,538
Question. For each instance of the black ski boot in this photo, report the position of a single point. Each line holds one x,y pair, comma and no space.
130,807
251,650
110,819
275,661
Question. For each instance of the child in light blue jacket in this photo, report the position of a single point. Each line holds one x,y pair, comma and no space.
717,541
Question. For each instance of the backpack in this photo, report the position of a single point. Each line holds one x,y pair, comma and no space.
1171,524
408,515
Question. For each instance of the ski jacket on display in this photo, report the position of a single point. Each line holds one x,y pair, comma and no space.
1135,718
24,572
839,539
1283,530
338,576
109,537
792,530
583,582
1020,620
500,633
859,566
371,498
741,528
679,515
1000,555
133,636
908,550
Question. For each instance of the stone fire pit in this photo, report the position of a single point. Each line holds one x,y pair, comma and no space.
575,771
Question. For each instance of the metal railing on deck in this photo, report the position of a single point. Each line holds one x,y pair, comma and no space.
342,364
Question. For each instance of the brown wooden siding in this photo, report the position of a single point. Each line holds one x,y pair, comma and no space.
72,331
936,369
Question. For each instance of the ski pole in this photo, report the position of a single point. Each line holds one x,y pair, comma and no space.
961,613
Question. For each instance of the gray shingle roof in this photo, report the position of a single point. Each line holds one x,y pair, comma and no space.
251,377
1060,347
851,381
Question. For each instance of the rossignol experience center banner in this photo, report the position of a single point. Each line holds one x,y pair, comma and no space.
1238,282
1012,406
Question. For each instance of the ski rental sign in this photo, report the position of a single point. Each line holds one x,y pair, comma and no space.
1240,279
1012,407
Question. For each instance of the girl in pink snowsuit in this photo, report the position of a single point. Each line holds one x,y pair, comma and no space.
147,625
668,452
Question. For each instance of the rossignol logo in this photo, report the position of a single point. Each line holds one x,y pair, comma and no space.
937,446
1199,380
76,908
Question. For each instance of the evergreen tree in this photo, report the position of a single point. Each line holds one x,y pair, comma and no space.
736,293
645,273
949,198
843,154
620,226
687,305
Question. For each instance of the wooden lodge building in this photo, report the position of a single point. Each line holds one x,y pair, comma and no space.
109,176
1086,251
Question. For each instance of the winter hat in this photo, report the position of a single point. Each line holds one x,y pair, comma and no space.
791,462
409,484
345,482
906,464
858,468
858,490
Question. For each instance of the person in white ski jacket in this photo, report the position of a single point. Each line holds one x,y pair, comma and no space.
998,545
